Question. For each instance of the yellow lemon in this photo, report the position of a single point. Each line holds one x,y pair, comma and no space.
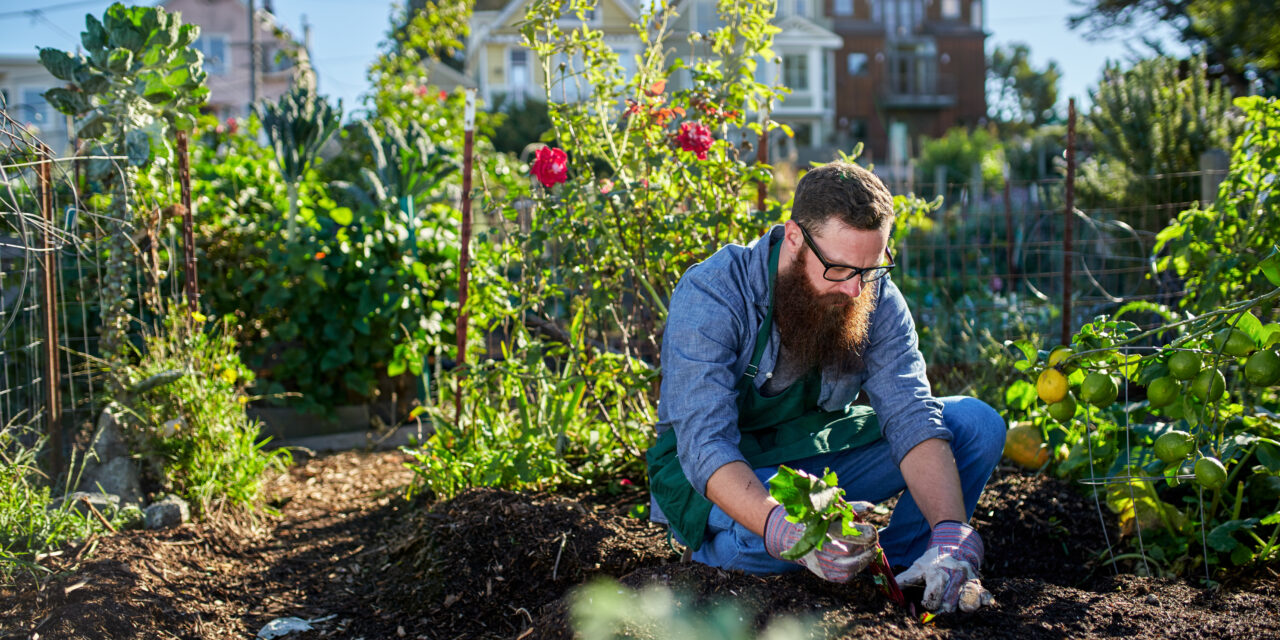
1051,386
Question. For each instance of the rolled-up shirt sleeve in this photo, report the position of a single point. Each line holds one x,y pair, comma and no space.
896,383
700,353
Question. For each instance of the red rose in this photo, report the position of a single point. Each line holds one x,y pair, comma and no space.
232,125
695,137
551,166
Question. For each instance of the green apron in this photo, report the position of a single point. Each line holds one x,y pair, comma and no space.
782,428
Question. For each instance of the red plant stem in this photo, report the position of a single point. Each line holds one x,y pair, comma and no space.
464,256
881,568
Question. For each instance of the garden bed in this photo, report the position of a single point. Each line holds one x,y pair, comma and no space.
499,564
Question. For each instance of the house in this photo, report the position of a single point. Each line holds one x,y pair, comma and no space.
805,48
233,77
887,73
505,70
909,70
23,81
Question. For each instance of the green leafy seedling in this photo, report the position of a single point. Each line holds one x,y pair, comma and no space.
815,503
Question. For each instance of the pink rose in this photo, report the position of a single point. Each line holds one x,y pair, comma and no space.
551,166
695,138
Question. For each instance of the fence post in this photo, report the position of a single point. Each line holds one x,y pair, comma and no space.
1068,220
188,223
1214,164
48,290
464,256
1012,273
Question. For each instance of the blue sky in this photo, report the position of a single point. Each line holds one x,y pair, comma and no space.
345,41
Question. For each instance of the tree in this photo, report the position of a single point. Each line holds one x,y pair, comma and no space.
1238,37
1021,96
1154,119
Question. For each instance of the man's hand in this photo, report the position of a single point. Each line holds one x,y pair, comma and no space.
949,570
840,558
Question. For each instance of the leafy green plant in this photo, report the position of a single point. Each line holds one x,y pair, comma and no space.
184,407
31,524
1217,250
1222,480
605,610
297,126
138,79
818,503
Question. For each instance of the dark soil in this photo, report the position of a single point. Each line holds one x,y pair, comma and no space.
494,564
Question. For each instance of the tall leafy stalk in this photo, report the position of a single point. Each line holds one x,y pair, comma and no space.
138,79
297,126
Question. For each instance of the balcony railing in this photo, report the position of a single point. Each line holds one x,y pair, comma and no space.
913,82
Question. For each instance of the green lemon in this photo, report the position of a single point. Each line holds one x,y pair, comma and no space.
1051,386
1099,389
1210,473
1063,410
1233,342
1184,365
1262,368
1209,385
1174,446
1163,391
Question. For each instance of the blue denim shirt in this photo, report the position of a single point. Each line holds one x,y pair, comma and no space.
716,311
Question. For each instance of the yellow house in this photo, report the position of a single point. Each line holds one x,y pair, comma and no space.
506,70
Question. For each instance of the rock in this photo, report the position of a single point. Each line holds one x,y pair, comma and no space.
108,467
169,512
106,503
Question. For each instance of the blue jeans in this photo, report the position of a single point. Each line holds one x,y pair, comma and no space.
867,474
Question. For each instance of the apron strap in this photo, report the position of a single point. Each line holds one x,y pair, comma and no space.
766,327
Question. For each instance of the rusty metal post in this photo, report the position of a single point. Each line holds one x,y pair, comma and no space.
1010,269
188,224
762,157
1067,222
464,256
49,302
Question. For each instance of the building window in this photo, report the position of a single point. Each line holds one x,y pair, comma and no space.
975,14
518,74
217,58
34,109
857,64
842,7
795,71
950,9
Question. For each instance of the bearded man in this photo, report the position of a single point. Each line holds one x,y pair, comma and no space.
765,354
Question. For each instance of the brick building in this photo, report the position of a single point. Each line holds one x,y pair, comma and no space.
908,70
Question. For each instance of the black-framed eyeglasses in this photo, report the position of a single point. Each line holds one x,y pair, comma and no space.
841,272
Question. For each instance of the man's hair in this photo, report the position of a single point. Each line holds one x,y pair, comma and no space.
844,191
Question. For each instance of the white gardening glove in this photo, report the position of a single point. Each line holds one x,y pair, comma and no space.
840,558
949,570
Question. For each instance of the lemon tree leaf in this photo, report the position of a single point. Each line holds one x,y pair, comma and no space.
1271,266
1027,349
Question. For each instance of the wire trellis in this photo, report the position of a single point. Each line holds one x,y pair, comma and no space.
52,264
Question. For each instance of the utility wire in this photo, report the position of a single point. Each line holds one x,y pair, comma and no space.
55,7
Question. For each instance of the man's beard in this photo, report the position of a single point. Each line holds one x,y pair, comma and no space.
828,331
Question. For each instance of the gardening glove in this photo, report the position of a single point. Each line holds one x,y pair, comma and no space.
840,558
949,570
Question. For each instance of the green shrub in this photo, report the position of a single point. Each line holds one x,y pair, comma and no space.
184,406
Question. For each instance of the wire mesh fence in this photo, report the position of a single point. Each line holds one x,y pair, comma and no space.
991,263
